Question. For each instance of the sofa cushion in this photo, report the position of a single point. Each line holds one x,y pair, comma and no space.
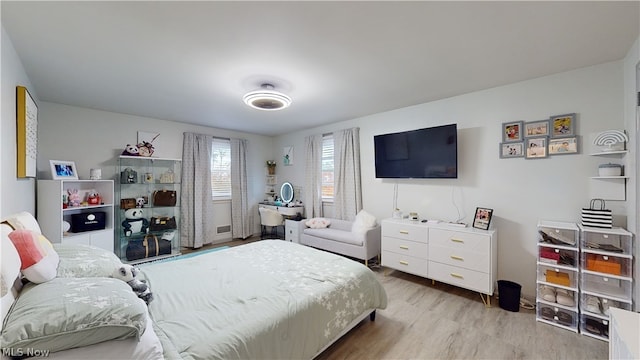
318,223
337,235
363,222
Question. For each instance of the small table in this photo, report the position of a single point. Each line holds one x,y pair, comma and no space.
286,211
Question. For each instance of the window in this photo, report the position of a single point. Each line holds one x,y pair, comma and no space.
221,169
327,168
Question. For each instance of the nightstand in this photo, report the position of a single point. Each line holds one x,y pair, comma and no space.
293,229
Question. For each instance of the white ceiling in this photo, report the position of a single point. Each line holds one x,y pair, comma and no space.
192,61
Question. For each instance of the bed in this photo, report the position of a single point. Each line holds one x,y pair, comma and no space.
266,299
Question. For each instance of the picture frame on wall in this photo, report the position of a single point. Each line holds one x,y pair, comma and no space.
536,128
563,125
512,131
511,150
27,133
563,145
482,219
287,155
536,147
63,170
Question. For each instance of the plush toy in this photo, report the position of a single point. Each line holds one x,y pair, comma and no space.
145,149
134,222
74,197
140,202
128,274
131,150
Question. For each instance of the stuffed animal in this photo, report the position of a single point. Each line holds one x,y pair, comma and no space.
145,149
131,150
140,202
74,197
134,222
128,274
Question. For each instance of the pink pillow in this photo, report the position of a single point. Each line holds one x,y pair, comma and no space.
39,259
318,223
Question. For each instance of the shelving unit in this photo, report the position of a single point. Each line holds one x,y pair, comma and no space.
609,187
150,175
52,211
271,181
606,268
557,274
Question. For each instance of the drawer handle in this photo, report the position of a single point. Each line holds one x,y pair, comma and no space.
404,262
454,257
605,258
403,247
457,276
404,232
457,240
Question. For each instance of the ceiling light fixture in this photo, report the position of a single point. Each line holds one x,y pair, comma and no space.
267,99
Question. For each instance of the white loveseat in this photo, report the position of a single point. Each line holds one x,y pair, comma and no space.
338,237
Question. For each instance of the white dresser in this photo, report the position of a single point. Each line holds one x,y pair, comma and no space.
464,257
293,229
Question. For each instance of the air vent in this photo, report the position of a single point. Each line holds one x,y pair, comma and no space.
223,229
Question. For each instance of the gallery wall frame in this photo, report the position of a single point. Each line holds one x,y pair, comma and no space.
563,125
536,128
563,145
512,131
27,133
511,150
536,147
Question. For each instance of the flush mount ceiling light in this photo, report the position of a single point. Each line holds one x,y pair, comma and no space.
267,99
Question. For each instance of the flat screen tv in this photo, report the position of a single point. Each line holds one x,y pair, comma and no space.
424,153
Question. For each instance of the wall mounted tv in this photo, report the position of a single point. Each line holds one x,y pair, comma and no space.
424,153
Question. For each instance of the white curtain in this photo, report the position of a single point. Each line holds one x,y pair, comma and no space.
347,198
313,171
241,217
196,203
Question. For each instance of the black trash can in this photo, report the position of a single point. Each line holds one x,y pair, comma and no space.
509,295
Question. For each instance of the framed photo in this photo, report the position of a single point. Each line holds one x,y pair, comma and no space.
563,146
563,125
482,218
536,128
511,150
512,131
63,170
536,147
27,133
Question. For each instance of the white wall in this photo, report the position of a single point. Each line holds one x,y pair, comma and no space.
94,139
15,194
520,191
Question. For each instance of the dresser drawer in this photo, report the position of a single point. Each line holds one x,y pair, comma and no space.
405,247
405,263
413,232
460,240
465,278
461,257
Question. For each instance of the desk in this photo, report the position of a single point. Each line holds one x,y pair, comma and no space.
286,211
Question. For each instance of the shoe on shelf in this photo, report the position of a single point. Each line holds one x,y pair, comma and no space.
592,304
606,303
565,297
548,293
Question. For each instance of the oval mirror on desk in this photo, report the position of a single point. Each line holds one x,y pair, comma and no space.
286,192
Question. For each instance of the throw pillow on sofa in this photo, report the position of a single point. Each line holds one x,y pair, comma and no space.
363,222
39,259
318,223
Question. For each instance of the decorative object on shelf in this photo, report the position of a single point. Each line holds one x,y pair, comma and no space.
161,223
149,246
397,214
597,217
134,222
536,128
66,226
563,125
167,177
145,143
287,155
271,167
611,140
73,197
413,216
128,176
93,198
511,150
63,170
95,174
536,147
127,203
140,202
482,219
88,221
27,132
164,198
512,131
610,170
563,145
148,178
131,150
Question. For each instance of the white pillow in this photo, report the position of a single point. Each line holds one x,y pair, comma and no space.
363,222
318,223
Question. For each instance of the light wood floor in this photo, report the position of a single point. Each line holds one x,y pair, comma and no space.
423,321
